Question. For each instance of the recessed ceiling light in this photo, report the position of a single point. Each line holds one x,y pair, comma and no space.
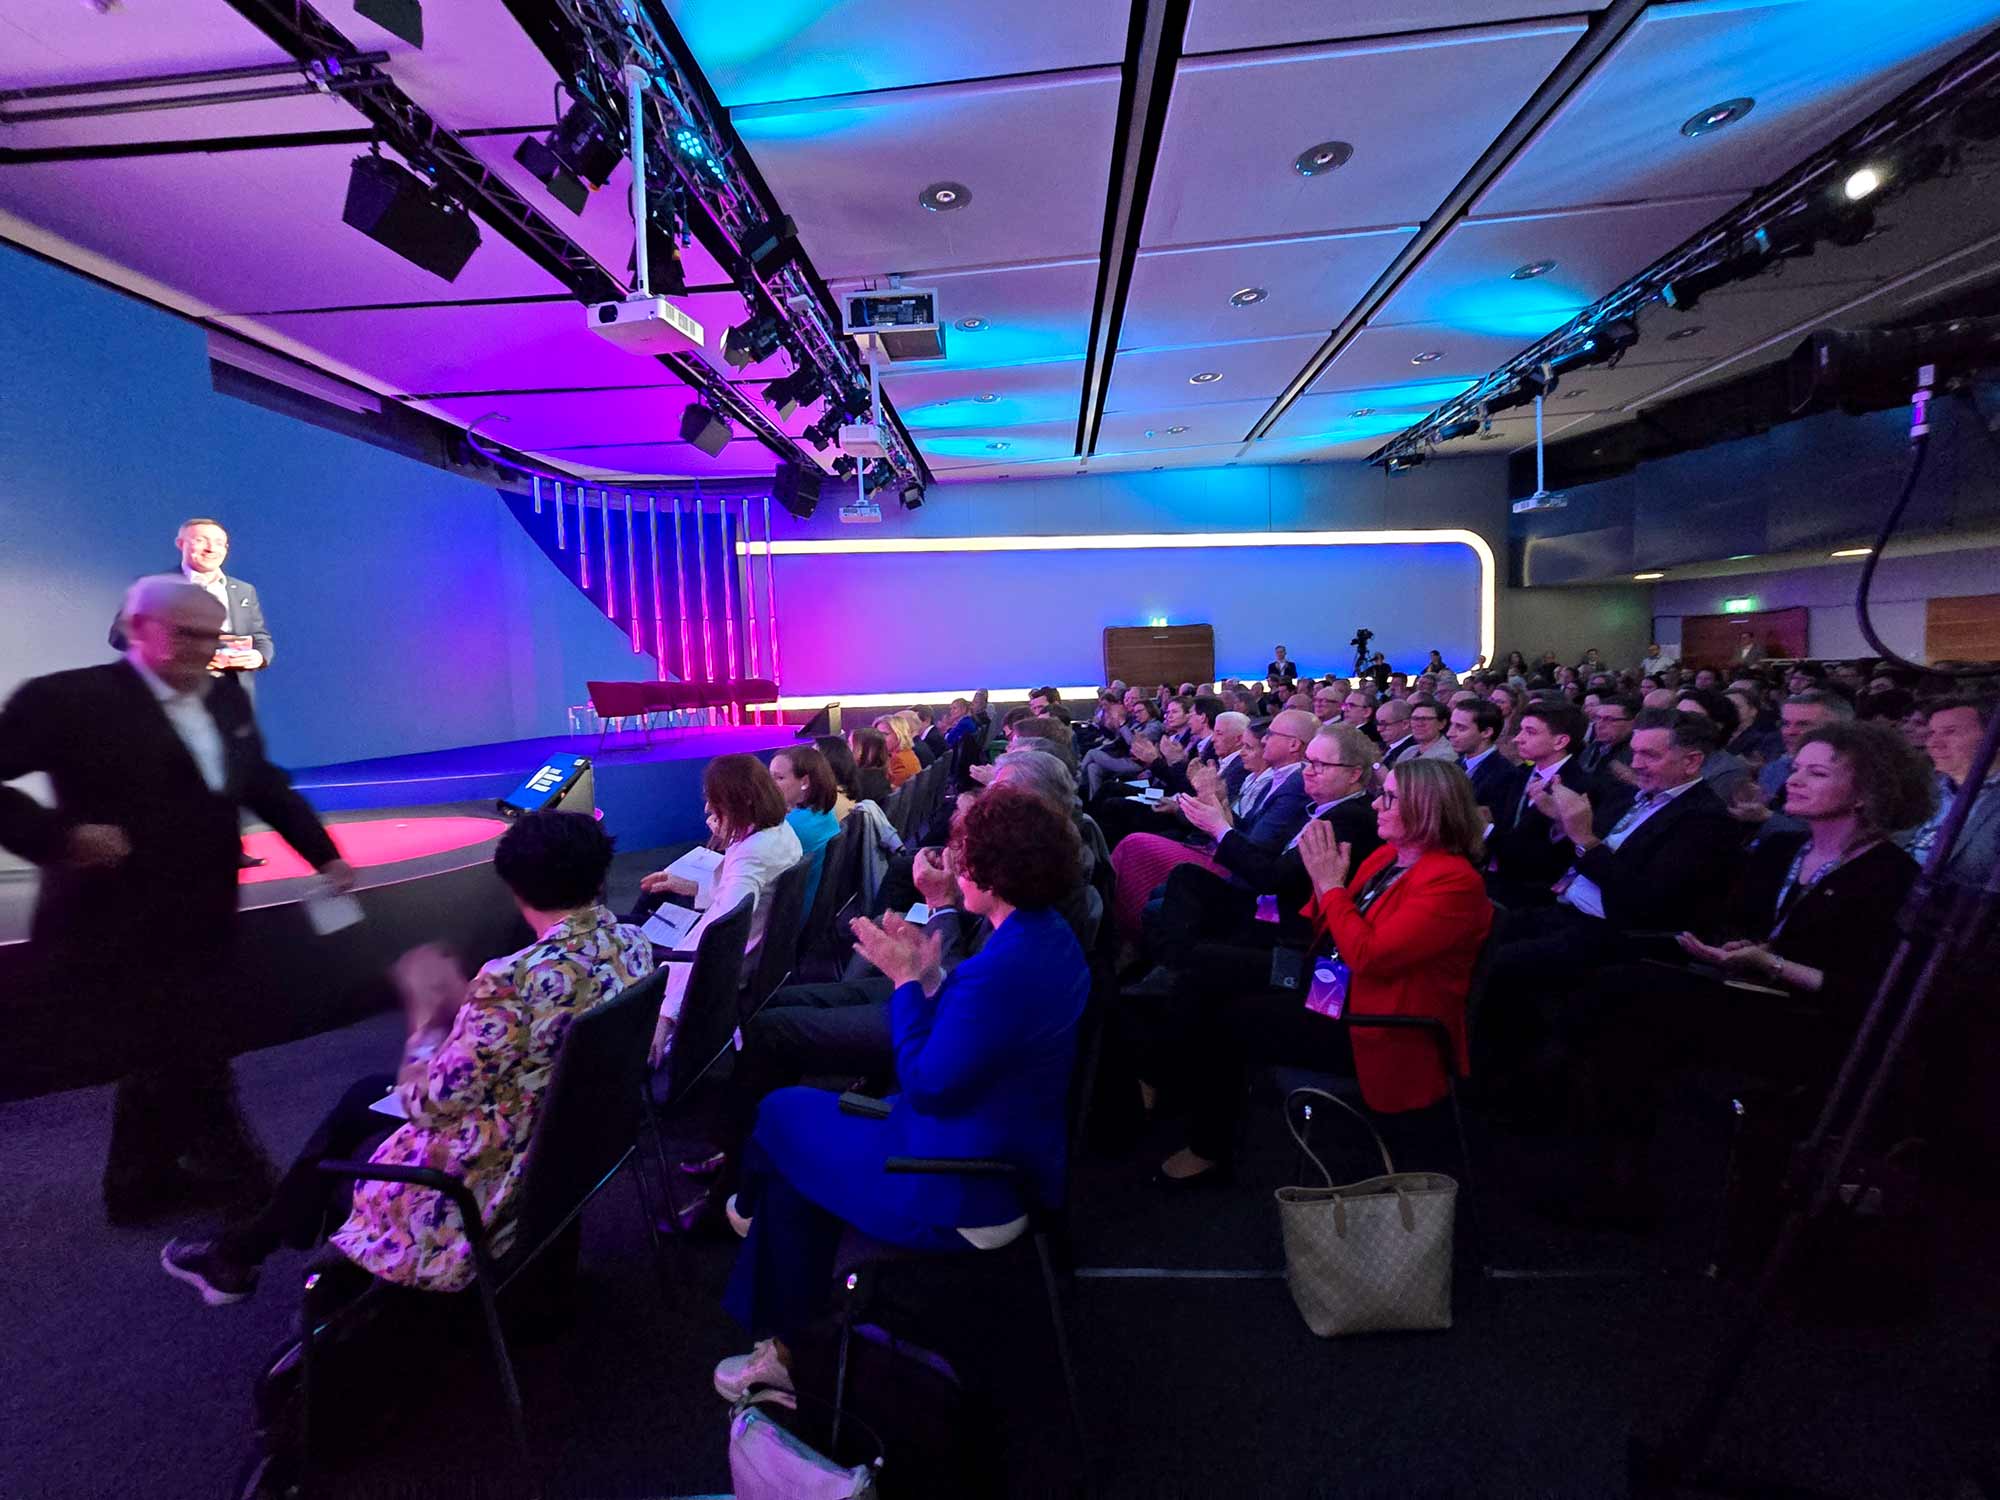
1151,433
1716,116
999,447
1204,377
1362,411
1741,556
984,397
1851,552
1685,333
1533,269
945,197
1250,296
1860,183
1176,429
1646,577
1327,156
970,325
1426,356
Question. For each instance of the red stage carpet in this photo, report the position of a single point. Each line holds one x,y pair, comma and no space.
375,841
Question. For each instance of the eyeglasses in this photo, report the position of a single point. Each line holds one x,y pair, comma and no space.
1386,797
1425,718
1332,765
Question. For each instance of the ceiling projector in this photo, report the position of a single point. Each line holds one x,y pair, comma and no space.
894,327
646,325
862,439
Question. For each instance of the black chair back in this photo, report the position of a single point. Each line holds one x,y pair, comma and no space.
591,1114
779,951
838,875
708,1006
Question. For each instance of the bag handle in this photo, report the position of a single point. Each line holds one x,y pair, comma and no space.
1388,1166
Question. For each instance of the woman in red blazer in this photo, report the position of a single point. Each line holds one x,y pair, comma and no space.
1400,937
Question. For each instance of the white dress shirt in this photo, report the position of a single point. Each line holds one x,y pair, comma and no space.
193,723
1580,891
216,586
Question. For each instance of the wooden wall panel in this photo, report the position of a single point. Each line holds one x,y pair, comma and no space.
1152,654
1965,628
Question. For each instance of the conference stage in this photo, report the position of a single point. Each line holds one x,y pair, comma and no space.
420,831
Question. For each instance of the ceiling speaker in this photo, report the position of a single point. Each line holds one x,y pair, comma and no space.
705,429
400,211
796,487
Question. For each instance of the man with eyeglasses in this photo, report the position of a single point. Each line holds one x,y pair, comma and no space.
1357,711
151,757
1610,735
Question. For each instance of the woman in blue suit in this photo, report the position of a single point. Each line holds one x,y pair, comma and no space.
983,1063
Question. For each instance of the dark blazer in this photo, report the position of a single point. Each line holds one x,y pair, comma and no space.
873,783
1284,671
1281,814
1495,784
1670,872
113,757
1845,925
1264,869
1529,856
246,617
1233,776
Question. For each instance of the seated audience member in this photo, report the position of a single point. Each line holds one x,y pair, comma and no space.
1357,711
871,764
1143,861
1956,727
1392,722
805,781
1529,852
1756,741
1227,744
1427,722
1798,716
1047,703
1436,663
1729,775
930,734
1810,926
1045,733
1403,931
1656,661
477,1058
1610,743
903,762
1328,703
746,816
1474,733
983,1063
839,759
1197,906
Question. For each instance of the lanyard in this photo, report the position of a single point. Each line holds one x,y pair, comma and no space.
1795,890
1378,883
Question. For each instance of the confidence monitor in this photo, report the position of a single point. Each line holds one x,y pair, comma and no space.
563,783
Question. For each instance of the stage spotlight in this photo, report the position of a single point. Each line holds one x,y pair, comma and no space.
707,431
880,473
402,212
1742,262
1403,462
769,246
1463,427
692,148
1602,346
749,342
844,466
400,18
577,157
796,486
790,392
913,496
822,433
1870,368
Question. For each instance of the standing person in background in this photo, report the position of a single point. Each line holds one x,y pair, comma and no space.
1281,669
151,758
246,640
1656,661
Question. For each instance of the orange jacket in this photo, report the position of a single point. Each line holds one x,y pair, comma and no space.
1410,954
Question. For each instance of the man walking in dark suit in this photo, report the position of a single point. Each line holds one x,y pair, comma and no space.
151,757
246,646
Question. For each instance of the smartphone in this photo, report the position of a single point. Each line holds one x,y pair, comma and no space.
864,1104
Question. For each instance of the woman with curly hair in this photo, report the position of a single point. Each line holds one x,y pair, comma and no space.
983,1062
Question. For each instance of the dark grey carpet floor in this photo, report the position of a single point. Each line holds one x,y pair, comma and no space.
115,1381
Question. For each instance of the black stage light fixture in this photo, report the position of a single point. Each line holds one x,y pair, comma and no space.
1518,392
769,246
663,260
1870,368
796,487
880,473
788,393
749,342
1743,261
913,496
1603,345
844,466
707,431
1463,427
822,433
578,156
1403,462
400,18
402,212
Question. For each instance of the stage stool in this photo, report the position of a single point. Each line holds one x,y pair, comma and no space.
589,1132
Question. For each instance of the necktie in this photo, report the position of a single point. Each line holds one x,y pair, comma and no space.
1532,786
1636,811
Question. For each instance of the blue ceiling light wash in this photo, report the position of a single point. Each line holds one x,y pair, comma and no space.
1021,446
1499,306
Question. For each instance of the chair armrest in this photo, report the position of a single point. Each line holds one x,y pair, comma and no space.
945,1166
425,1177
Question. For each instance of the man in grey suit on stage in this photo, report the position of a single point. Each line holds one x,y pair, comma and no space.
246,640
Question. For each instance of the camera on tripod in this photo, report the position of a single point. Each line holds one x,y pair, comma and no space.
1360,644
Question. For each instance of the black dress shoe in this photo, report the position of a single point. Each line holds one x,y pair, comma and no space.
248,861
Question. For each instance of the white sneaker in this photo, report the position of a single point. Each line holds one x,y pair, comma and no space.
740,1374
736,1220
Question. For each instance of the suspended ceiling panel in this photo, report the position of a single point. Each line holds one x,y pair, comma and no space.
849,171
1235,25
62,41
1152,430
1211,456
1236,124
1181,297
476,70
1378,357
210,226
1382,409
1470,280
933,398
1021,444
444,350
797,50
1146,379
1026,314
1813,69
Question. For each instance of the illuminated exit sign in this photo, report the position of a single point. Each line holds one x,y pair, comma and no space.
1741,606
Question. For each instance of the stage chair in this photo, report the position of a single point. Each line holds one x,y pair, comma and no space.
828,940
588,1134
779,952
755,690
706,1030
620,701
672,698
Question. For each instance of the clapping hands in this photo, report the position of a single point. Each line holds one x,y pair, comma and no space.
1326,859
903,952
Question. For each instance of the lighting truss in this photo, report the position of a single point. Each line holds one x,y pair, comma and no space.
1802,204
701,168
